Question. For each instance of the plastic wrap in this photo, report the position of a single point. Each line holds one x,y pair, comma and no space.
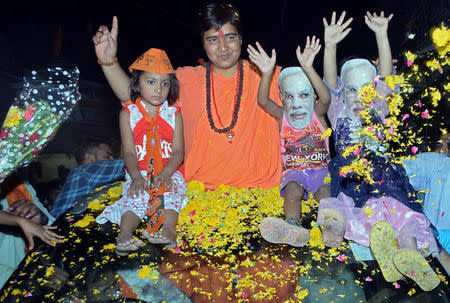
46,101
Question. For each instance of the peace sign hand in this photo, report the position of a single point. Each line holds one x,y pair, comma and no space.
310,51
258,56
336,31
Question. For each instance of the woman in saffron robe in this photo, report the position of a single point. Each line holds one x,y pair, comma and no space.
230,140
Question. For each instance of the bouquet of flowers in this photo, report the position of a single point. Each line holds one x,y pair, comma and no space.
46,101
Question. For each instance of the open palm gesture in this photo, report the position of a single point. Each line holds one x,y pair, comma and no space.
336,31
105,42
310,51
379,24
258,56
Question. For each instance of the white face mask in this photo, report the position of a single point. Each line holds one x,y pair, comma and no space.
298,97
354,78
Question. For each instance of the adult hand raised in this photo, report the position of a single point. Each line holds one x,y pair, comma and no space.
105,42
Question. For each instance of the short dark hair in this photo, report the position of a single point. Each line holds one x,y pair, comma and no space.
215,15
88,145
136,93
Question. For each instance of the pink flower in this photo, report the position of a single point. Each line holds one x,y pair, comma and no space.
341,257
177,249
29,113
192,213
357,151
405,116
409,63
369,279
385,121
397,286
244,295
424,114
419,104
414,149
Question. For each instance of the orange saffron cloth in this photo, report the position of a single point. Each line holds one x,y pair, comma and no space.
253,157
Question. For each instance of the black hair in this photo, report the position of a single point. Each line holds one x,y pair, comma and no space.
136,93
88,145
215,15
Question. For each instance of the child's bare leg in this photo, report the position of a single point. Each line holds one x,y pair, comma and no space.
125,242
331,222
322,192
167,234
293,194
289,231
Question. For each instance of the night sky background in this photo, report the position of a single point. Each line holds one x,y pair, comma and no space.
29,31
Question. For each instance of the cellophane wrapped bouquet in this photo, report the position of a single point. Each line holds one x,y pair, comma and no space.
45,102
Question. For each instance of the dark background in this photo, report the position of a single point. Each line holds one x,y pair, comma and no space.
42,33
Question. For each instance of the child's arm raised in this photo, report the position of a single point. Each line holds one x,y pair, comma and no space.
138,183
379,25
165,176
266,65
306,60
334,33
105,43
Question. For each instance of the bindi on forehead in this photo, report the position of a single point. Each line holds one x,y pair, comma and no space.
220,31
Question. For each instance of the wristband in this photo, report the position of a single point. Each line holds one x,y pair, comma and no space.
108,63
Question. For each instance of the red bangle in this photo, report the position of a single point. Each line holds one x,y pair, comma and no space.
108,64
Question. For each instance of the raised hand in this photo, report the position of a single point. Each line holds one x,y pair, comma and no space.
258,56
105,42
310,51
379,24
336,31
